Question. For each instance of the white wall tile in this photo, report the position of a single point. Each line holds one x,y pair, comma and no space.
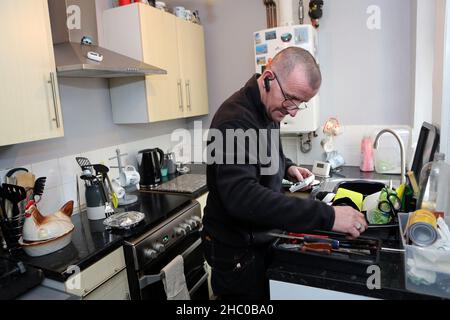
70,193
68,168
52,201
49,169
2,176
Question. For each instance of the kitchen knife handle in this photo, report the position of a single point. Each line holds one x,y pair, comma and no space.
188,93
52,81
180,95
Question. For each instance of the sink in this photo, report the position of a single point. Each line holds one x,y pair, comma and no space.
388,233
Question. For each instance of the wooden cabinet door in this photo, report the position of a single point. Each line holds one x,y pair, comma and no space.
29,99
191,45
160,48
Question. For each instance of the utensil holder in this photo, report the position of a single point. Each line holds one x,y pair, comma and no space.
12,232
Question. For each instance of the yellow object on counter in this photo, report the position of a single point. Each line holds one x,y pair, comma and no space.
400,191
356,197
414,184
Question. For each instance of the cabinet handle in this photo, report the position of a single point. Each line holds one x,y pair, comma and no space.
55,99
180,95
188,92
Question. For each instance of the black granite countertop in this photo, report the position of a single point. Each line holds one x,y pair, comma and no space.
391,263
91,242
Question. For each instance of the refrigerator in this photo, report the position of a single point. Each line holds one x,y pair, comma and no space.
268,43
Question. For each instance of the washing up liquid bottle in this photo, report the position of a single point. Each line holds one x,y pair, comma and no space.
367,162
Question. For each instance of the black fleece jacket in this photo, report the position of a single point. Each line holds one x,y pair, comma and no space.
242,202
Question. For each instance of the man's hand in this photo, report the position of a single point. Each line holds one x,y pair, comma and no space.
349,220
296,174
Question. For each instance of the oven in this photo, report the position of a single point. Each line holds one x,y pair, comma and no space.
148,254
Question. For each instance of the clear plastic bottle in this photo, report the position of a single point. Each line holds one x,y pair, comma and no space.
434,186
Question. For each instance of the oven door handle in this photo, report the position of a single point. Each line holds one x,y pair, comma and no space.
147,280
198,284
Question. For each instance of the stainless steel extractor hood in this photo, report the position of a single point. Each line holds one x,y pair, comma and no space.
71,56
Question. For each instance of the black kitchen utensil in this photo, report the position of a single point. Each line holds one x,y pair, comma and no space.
11,172
15,194
103,170
83,162
38,189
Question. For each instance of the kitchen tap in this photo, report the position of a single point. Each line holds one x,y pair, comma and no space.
402,151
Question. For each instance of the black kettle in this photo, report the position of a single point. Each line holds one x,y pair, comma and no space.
150,162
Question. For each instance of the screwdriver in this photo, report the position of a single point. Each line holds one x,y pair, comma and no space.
327,248
335,244
344,243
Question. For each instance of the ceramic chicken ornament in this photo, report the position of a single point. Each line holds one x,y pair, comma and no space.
38,227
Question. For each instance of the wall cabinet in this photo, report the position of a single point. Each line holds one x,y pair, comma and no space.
161,39
29,98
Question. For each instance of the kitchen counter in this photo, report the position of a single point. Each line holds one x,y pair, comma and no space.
391,263
91,242
195,169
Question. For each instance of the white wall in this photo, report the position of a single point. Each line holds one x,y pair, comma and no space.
367,73
445,114
438,70
424,20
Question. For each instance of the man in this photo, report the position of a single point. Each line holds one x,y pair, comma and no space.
245,201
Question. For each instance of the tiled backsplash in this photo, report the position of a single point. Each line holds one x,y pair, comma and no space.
348,144
61,173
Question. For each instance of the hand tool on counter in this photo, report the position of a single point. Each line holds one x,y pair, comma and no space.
346,240
323,248
334,243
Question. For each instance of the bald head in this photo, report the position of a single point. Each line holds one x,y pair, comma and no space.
287,60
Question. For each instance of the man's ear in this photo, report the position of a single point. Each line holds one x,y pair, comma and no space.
267,78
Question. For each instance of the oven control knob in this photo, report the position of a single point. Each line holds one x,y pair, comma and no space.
186,227
179,232
197,219
192,223
159,247
150,254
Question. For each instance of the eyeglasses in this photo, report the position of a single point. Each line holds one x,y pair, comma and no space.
288,103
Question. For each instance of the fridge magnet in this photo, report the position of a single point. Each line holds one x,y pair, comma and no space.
258,38
261,61
271,35
301,36
286,37
261,49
